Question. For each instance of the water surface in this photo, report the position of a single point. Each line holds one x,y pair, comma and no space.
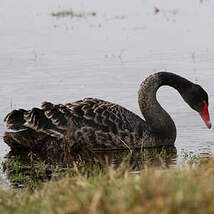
107,56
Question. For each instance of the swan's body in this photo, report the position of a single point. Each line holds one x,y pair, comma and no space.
103,125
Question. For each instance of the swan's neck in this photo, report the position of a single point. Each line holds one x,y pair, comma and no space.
158,120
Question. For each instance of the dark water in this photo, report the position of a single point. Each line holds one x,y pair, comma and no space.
107,56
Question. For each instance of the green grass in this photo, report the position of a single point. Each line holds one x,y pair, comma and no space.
110,190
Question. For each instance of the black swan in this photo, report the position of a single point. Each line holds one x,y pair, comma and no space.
102,125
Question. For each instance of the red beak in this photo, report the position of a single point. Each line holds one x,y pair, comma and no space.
205,115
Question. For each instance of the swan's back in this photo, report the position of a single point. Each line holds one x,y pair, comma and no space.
95,123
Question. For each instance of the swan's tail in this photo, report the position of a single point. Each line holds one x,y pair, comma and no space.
48,120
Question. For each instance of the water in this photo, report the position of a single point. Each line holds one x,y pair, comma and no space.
107,56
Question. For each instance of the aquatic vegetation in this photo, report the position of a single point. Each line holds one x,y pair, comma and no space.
71,13
22,173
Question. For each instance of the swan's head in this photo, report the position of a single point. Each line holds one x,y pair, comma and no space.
197,99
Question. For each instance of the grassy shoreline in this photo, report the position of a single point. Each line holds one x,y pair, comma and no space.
154,190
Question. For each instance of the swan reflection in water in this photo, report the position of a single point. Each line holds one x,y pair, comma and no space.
33,166
90,163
